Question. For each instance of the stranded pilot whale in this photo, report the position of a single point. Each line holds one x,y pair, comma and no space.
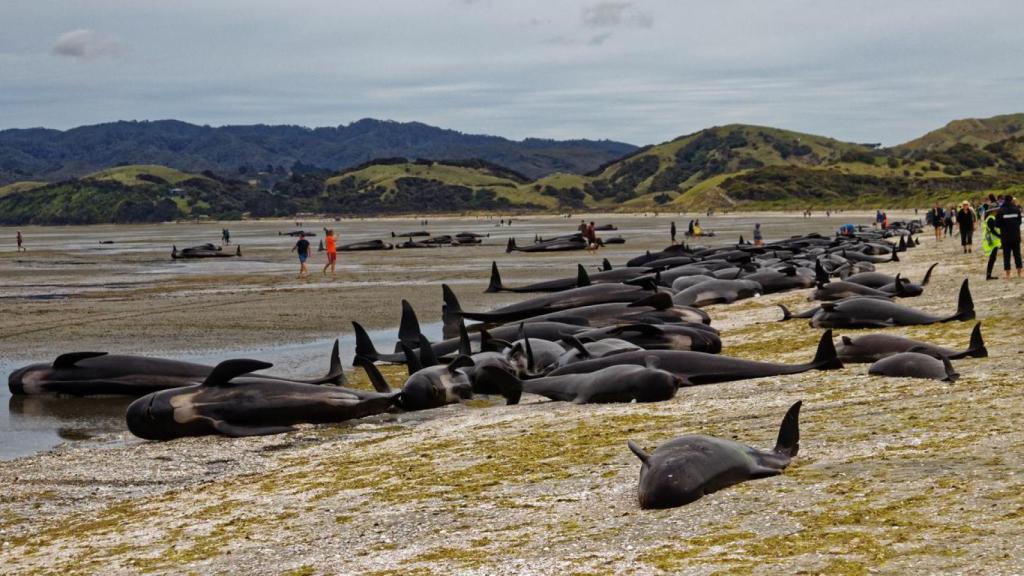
683,470
99,373
874,347
231,403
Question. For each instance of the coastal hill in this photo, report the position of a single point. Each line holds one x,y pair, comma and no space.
49,155
734,167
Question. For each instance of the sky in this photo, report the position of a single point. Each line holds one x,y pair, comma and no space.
639,71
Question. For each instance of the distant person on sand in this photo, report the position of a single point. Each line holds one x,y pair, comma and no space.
758,239
225,236
591,235
332,252
21,241
937,218
990,243
966,221
302,247
1008,221
583,227
673,232
696,228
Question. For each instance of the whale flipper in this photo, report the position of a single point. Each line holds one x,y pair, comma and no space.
236,431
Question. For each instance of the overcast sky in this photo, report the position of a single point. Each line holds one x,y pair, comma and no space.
641,71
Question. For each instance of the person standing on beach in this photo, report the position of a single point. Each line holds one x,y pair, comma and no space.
673,232
990,242
302,247
950,220
758,239
966,221
937,219
225,236
21,241
1008,221
332,252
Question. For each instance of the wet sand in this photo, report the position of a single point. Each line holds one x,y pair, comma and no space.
893,476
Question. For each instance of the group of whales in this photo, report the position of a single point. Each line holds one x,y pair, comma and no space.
617,335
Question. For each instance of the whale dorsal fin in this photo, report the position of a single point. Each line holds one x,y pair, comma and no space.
847,340
70,359
582,278
224,372
643,456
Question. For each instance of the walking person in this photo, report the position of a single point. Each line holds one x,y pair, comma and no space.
302,248
1008,221
950,220
21,242
758,239
966,221
937,218
673,231
332,252
990,242
225,236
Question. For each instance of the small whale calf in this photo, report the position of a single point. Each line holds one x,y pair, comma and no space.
687,468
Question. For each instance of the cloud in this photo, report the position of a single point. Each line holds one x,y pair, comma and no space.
86,44
612,13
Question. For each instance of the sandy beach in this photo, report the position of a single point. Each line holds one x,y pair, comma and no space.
894,475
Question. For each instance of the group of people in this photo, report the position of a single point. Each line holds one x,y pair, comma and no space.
590,235
1002,220
881,220
301,247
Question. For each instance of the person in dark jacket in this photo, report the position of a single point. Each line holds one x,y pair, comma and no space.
1008,221
965,221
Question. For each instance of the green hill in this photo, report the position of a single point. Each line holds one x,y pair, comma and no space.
977,132
732,167
136,194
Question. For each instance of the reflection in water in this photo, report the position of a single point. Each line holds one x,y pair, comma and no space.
91,413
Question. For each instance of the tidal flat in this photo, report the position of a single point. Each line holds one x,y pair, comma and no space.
894,476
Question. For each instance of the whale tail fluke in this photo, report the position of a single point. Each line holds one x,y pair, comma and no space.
409,326
977,347
826,358
788,443
928,274
965,304
376,378
451,313
335,373
495,284
427,357
582,278
820,275
364,345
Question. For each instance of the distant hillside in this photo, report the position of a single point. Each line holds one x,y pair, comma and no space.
977,132
734,167
43,154
138,194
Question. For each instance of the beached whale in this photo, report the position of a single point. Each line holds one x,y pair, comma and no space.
866,312
609,385
231,403
703,368
874,347
203,251
687,468
915,364
101,374
367,245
